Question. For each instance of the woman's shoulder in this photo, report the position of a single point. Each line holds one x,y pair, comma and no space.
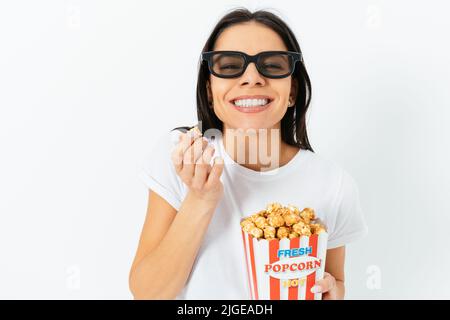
325,173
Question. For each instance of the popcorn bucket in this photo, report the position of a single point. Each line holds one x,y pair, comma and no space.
285,269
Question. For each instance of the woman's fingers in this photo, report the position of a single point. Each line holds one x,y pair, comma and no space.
184,143
192,154
202,168
192,157
326,284
216,171
330,295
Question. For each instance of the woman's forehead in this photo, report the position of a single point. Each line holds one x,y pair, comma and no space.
250,38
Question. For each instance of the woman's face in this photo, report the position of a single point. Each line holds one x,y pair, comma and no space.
250,38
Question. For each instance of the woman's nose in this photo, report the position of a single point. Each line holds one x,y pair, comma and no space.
251,76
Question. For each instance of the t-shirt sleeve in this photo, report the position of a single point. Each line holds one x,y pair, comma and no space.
158,172
350,224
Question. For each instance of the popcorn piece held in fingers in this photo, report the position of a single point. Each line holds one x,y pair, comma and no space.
194,132
195,129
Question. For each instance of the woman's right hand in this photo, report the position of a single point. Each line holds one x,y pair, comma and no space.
191,158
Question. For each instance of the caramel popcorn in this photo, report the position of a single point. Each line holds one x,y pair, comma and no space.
307,215
293,235
245,222
293,209
195,129
279,222
283,232
273,207
261,222
247,225
256,232
317,228
275,220
257,215
298,227
302,228
291,218
269,232
306,231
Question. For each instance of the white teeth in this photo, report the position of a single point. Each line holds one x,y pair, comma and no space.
251,102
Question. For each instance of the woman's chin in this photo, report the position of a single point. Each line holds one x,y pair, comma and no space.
246,125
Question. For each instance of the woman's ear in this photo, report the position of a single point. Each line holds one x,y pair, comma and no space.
293,93
209,93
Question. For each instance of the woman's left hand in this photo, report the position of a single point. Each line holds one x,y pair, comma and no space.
327,286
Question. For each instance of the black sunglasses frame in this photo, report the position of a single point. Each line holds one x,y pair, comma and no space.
295,56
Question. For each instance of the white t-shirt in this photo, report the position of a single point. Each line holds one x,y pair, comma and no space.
307,180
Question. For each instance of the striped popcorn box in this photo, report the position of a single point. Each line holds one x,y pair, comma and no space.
285,269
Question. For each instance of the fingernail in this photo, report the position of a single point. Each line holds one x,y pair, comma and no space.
205,139
316,289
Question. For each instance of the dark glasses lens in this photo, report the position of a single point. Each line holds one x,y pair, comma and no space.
275,64
227,64
232,64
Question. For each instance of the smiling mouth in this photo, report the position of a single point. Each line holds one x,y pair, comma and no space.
251,105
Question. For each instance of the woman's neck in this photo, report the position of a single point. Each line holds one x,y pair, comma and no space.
258,149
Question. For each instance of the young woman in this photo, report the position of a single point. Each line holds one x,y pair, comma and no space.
252,86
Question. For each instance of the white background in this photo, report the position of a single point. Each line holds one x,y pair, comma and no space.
86,88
